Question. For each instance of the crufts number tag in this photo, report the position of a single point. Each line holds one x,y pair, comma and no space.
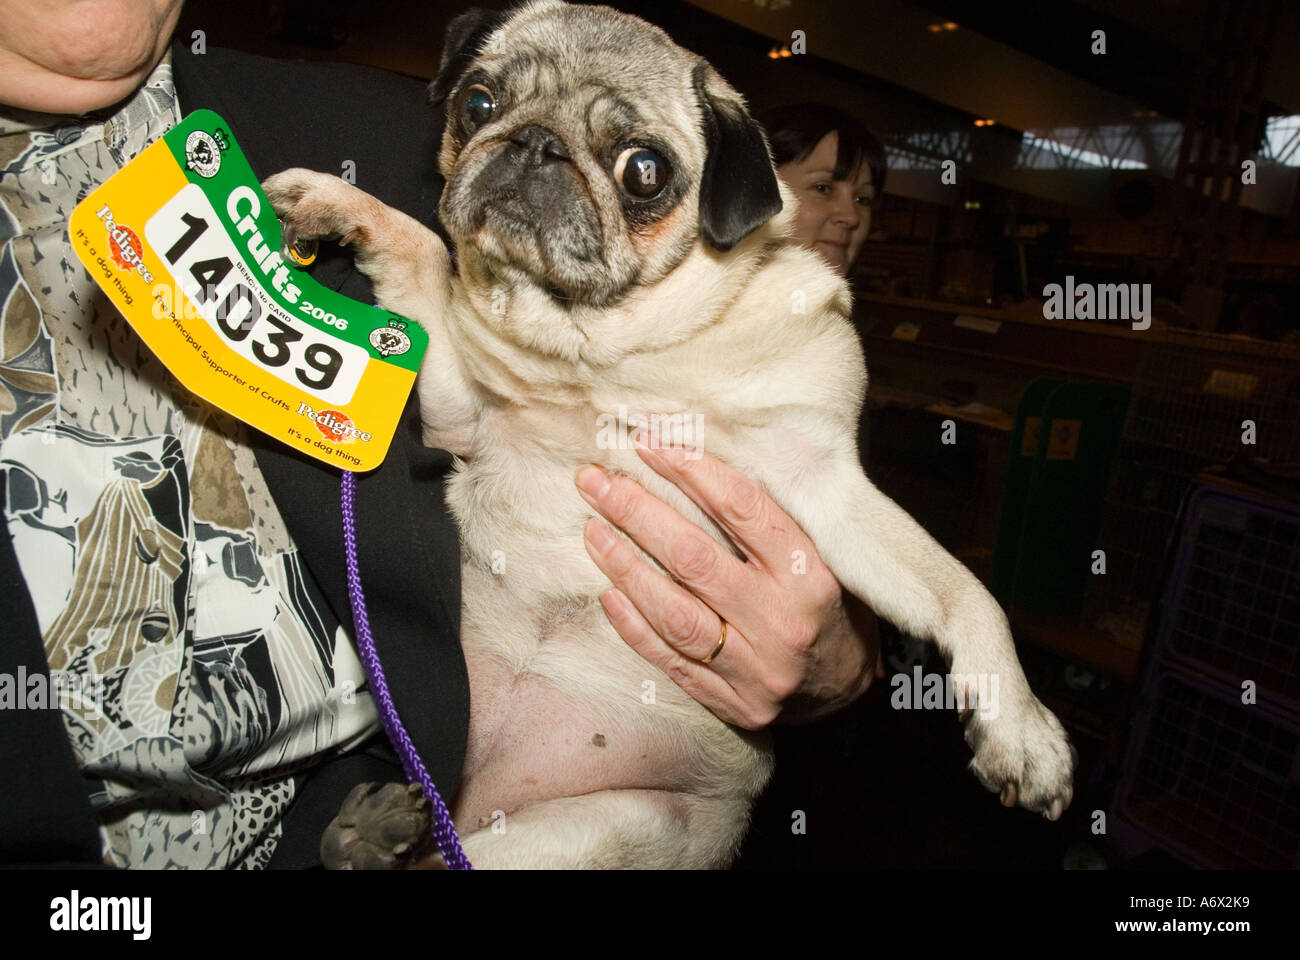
186,245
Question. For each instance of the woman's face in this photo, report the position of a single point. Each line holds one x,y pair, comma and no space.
834,215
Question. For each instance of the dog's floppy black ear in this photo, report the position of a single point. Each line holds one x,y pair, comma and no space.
465,35
738,192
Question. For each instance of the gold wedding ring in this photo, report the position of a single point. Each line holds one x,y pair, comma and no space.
718,649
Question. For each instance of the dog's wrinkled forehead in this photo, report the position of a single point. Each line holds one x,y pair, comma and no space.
620,76
618,96
592,42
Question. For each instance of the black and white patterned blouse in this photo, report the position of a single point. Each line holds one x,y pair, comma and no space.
193,672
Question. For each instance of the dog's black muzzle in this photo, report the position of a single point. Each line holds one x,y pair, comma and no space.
532,182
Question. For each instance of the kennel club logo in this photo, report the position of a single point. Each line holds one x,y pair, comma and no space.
124,247
203,152
390,341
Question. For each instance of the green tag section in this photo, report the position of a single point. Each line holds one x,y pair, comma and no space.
211,158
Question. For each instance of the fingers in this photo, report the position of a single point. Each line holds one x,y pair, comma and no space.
691,628
755,523
700,682
786,634
709,685
684,550
675,631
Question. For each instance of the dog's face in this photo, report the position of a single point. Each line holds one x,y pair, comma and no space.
586,157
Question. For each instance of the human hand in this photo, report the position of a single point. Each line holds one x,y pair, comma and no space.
797,645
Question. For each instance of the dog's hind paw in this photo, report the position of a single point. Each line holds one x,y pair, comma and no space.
1025,756
380,827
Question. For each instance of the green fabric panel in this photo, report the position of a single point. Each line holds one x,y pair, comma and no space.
1052,503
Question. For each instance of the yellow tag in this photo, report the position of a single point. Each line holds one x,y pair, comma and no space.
186,245
1029,439
1231,383
1063,439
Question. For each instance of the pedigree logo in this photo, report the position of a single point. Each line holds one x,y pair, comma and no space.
334,426
124,245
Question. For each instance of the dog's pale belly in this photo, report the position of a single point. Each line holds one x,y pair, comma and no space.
529,742
579,712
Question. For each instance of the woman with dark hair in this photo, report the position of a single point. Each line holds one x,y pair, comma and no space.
837,170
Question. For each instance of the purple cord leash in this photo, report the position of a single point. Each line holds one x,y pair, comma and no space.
444,831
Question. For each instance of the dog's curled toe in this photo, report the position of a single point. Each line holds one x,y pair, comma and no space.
313,204
1025,756
379,827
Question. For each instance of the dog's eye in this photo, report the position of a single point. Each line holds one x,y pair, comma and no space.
476,107
640,172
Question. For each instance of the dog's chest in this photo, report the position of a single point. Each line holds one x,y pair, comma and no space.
530,589
520,514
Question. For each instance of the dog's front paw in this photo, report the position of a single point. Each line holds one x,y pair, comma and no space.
312,204
380,827
1023,754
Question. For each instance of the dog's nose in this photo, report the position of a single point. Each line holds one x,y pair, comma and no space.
539,145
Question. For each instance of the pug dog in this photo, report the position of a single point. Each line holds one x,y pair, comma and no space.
621,245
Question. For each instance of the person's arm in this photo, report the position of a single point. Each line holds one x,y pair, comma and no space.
797,645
